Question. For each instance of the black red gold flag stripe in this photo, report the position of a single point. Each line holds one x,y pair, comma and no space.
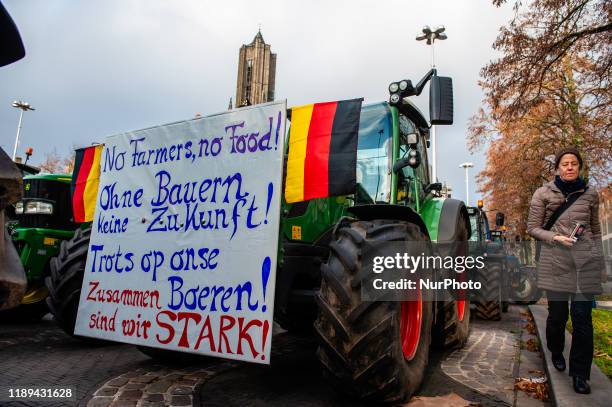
322,150
85,182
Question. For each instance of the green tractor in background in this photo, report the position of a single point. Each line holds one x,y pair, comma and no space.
492,300
37,225
522,274
375,350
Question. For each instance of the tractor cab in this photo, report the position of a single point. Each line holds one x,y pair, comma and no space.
46,202
481,231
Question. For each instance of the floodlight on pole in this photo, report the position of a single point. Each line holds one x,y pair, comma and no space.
467,182
431,36
22,106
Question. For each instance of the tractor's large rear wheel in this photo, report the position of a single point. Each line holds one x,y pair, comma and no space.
488,298
452,326
64,283
376,350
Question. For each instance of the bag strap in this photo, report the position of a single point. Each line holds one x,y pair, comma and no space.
556,214
559,211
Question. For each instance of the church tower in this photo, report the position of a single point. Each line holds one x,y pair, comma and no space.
256,73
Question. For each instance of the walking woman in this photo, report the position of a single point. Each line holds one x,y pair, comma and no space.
570,268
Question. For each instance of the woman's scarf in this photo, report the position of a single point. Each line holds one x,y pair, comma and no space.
567,187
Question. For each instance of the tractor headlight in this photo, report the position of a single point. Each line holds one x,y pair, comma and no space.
19,208
395,99
394,87
38,208
403,85
414,158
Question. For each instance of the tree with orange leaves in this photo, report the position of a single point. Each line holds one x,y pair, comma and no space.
549,89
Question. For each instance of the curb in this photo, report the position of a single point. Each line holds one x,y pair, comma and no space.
561,388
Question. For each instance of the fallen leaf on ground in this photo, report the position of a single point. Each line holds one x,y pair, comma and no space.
450,400
602,354
536,371
532,345
530,327
535,387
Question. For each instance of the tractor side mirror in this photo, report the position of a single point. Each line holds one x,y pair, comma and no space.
441,100
499,219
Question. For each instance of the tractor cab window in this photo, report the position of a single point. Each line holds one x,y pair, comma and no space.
410,177
374,152
55,194
474,225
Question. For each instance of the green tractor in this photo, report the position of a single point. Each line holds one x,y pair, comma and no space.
38,225
491,300
375,350
522,276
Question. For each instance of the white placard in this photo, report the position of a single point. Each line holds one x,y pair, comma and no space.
185,236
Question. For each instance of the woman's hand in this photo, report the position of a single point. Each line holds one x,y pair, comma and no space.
564,240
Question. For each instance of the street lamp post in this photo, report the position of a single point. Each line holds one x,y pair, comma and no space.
22,106
467,182
431,36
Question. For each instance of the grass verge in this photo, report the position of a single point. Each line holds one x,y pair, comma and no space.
602,339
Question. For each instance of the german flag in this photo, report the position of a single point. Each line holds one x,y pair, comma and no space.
322,150
85,182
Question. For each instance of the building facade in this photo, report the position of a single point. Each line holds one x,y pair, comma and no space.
256,73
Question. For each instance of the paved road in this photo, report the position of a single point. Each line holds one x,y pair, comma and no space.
118,375
294,378
484,371
40,354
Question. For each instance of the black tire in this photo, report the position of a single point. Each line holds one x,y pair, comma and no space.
528,293
64,283
360,347
488,299
450,331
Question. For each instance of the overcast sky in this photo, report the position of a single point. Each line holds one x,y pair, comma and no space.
100,67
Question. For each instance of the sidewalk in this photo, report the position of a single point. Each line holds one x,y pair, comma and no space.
561,388
604,305
495,358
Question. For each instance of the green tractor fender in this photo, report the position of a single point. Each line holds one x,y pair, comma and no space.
446,219
36,247
444,216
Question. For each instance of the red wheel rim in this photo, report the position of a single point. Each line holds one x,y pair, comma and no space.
461,303
460,309
410,326
461,294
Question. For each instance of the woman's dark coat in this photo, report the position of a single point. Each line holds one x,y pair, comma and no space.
578,269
